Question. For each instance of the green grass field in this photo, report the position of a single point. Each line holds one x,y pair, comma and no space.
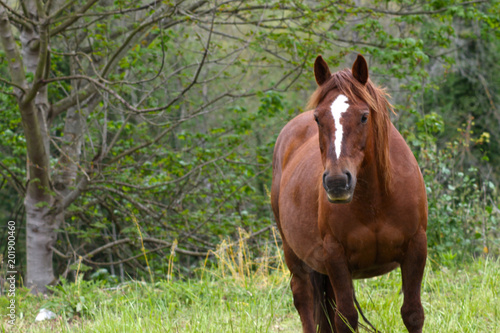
231,298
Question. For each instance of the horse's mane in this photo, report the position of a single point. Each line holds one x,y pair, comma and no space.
376,98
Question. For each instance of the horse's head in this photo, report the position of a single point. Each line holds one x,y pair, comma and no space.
343,119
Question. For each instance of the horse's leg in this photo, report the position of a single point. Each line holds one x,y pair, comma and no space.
324,303
346,320
303,301
412,271
302,289
331,305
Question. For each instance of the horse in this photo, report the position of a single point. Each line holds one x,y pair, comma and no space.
349,200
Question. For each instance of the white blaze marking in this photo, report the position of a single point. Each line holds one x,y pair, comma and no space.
339,106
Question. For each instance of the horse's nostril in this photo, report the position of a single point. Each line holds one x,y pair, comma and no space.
324,178
349,180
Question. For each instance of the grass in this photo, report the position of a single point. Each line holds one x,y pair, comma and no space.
460,299
232,297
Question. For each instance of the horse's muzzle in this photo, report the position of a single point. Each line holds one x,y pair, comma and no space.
340,187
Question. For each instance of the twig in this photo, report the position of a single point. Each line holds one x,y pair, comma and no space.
13,12
108,13
60,28
419,12
164,244
13,180
186,175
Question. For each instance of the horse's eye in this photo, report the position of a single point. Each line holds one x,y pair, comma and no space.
364,118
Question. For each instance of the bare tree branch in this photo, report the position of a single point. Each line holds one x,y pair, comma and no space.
81,95
73,195
418,12
13,180
148,6
59,11
20,18
13,84
72,19
179,179
16,66
137,204
38,161
164,244
41,65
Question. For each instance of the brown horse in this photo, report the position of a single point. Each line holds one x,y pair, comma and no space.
349,200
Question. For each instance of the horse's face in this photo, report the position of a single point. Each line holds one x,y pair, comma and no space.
343,127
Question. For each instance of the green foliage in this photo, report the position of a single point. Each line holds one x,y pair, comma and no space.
449,126
460,213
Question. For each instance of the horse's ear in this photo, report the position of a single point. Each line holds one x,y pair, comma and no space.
360,69
321,71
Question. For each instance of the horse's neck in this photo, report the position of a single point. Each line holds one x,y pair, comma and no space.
371,181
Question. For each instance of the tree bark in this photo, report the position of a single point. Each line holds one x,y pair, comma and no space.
41,224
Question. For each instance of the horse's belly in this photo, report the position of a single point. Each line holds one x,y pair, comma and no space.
374,271
302,236
371,253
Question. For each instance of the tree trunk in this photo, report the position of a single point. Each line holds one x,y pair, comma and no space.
41,216
40,236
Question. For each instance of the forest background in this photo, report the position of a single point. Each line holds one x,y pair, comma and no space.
135,134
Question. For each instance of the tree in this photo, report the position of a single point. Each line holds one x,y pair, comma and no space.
81,80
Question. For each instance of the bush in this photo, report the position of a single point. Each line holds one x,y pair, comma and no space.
461,199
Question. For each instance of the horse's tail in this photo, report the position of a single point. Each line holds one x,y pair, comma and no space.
324,308
363,316
324,305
